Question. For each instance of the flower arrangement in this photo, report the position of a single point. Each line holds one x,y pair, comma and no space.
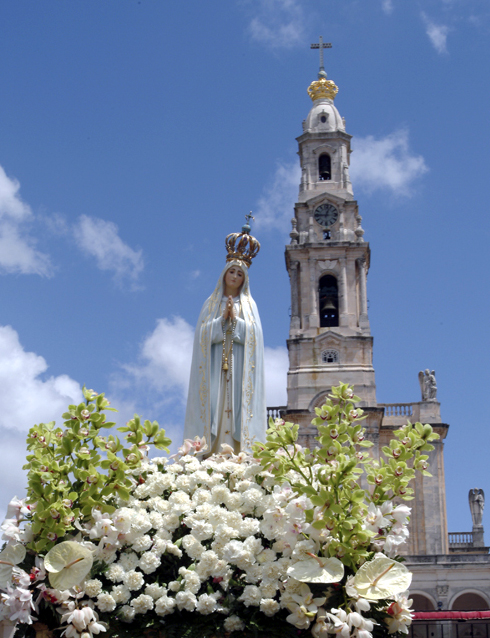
285,543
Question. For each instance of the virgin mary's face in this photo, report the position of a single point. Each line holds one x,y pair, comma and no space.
234,279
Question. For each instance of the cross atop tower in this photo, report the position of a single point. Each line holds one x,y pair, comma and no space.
321,45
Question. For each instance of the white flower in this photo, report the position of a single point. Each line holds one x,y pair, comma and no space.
192,546
155,590
142,543
129,560
133,580
251,596
142,604
149,563
93,588
233,623
401,514
164,605
115,573
186,600
206,604
317,570
269,607
105,602
121,594
127,614
381,577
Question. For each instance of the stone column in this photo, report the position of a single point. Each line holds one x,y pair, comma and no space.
293,276
343,295
314,320
363,314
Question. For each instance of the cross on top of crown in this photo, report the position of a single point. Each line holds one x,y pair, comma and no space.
321,45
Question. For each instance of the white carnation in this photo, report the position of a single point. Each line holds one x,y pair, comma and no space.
164,605
142,543
249,526
149,562
93,588
141,523
105,602
206,604
155,590
233,623
192,546
142,604
171,521
133,580
201,496
251,596
156,520
115,573
129,560
127,613
269,588
269,607
186,600
121,594
234,500
202,530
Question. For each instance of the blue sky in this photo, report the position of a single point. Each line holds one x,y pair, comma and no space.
135,135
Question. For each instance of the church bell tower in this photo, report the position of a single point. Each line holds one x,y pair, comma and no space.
327,261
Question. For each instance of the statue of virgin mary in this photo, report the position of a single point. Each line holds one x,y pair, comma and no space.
226,399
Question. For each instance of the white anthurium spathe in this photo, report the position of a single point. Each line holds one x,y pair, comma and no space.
11,556
317,569
381,578
68,563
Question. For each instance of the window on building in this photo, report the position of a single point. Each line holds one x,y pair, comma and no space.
324,167
329,301
421,603
469,602
330,356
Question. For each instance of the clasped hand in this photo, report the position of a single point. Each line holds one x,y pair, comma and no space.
229,311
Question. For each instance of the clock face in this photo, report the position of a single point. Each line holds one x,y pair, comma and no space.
326,215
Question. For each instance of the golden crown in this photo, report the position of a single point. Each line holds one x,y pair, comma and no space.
242,245
322,88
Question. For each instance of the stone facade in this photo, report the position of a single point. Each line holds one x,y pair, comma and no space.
330,341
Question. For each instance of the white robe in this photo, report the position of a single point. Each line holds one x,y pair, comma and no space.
208,397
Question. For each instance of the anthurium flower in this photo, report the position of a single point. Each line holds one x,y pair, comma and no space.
12,555
317,569
381,577
68,563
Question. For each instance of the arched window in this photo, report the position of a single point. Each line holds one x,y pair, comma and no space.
324,167
469,602
330,356
421,603
329,301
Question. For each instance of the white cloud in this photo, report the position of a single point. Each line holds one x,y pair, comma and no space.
12,477
276,206
100,239
18,253
26,399
437,34
278,23
385,163
387,6
165,357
